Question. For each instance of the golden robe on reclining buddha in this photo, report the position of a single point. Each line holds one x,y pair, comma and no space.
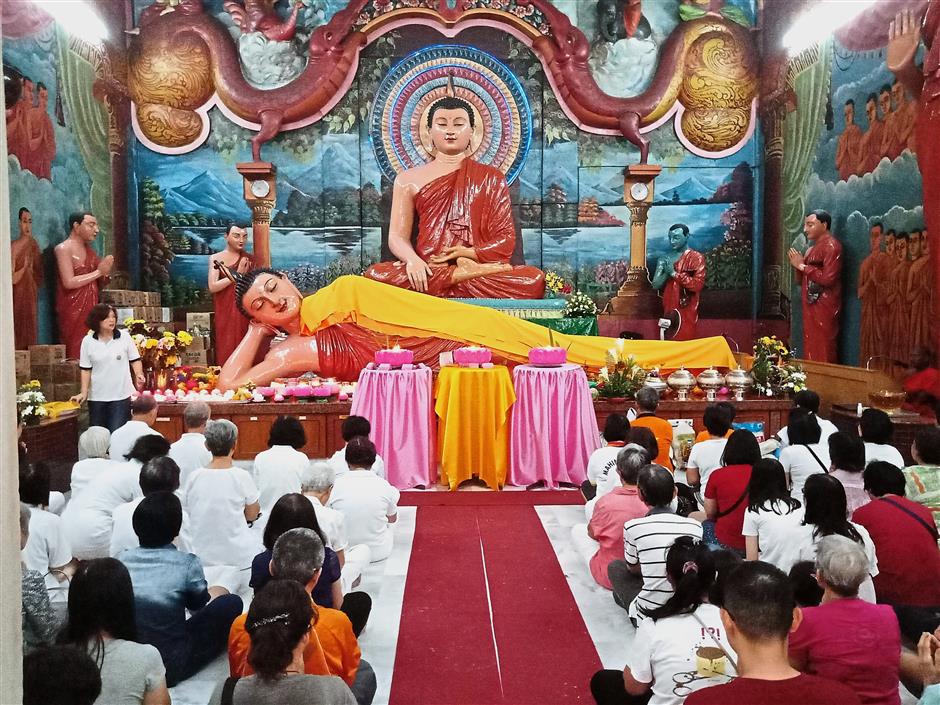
336,332
466,234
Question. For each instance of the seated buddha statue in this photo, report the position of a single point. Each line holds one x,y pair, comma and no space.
466,234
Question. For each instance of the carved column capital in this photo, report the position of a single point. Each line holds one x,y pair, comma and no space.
639,212
261,211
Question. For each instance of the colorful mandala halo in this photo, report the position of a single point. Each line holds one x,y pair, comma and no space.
502,131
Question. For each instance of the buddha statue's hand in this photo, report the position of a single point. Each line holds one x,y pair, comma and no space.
903,41
449,254
261,330
418,272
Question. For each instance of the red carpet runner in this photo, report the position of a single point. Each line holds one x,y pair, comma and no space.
469,562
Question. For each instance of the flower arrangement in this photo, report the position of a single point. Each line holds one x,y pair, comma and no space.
773,372
157,349
555,284
621,377
580,305
30,403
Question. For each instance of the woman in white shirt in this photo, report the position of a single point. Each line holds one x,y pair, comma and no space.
101,622
826,512
355,426
105,375
47,550
705,456
222,500
683,647
876,429
772,516
88,518
277,470
93,457
603,461
805,455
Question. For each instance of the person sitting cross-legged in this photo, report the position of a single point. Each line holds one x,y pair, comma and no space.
277,636
294,511
726,494
317,485
847,639
847,458
277,470
158,475
647,401
758,614
639,583
807,452
298,557
876,429
772,518
905,539
368,502
167,583
143,416
663,663
92,458
601,541
705,456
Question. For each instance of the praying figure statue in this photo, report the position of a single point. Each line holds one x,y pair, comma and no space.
230,325
680,275
466,234
27,278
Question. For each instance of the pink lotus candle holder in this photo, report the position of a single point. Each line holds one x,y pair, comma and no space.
266,392
472,356
395,357
322,391
548,357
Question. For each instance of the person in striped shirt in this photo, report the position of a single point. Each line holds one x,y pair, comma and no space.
639,582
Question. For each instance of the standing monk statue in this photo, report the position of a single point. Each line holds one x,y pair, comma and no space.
81,274
466,234
869,273
820,272
230,325
681,276
27,276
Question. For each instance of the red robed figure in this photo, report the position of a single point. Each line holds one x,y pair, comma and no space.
72,305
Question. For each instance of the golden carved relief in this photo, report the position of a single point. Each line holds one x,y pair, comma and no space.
168,126
718,88
177,75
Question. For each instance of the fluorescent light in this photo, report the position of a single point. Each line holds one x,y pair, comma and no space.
820,21
77,18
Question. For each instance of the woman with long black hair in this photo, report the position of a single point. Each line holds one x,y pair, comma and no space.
772,516
826,515
681,640
726,492
101,621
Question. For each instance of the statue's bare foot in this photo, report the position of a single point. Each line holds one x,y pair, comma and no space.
467,269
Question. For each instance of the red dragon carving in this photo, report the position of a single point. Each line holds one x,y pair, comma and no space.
334,50
260,16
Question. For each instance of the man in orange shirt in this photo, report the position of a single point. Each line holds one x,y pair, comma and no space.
332,650
647,399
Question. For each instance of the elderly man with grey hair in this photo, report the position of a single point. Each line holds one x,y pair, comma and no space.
847,639
190,452
298,555
222,501
601,541
317,484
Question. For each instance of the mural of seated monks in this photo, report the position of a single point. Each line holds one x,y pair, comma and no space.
466,233
336,331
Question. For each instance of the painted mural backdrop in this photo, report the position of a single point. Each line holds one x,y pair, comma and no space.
332,196
51,120
865,174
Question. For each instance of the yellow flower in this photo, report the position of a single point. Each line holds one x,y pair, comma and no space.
171,359
151,343
184,337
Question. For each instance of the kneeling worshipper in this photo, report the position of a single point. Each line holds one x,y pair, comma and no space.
336,332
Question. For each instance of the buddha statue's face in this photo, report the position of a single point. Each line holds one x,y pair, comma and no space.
273,300
451,131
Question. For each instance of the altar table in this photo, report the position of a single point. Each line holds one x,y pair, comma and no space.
398,406
554,430
473,429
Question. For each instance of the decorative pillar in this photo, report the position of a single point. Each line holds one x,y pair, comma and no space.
261,196
636,298
774,300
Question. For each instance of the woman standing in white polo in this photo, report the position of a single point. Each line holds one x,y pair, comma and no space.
106,359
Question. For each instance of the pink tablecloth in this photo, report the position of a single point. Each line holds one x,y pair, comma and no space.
398,405
554,430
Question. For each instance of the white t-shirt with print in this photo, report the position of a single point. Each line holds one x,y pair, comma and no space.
778,534
679,655
109,364
215,499
706,456
798,462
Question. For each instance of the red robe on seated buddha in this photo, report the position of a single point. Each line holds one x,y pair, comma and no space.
469,207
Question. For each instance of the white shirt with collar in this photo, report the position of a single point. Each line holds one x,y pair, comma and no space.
109,363
190,453
366,501
124,438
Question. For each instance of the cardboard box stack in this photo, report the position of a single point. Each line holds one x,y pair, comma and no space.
142,305
200,325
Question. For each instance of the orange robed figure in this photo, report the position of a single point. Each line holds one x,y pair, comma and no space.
920,291
80,275
41,137
847,152
820,272
868,294
900,318
869,153
27,276
466,234
230,324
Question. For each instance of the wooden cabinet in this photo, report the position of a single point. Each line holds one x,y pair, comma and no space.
771,412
